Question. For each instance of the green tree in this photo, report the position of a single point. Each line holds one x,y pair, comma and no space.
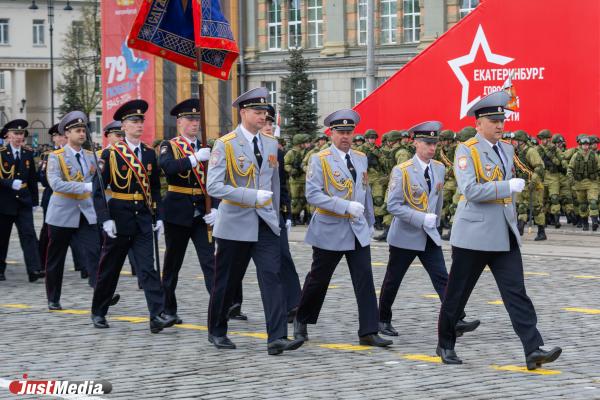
80,86
297,109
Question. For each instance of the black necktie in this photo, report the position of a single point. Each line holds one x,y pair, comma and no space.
137,152
78,157
350,167
193,146
427,178
18,159
257,152
495,147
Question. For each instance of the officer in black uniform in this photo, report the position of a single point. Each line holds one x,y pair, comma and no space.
18,196
184,205
130,168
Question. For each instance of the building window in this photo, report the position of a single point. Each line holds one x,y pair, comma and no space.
77,31
359,88
274,24
98,123
272,88
361,27
3,31
389,21
313,92
412,21
315,23
466,6
295,25
2,83
38,32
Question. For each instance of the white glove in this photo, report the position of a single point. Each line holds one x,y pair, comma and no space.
516,185
16,185
372,231
355,209
288,225
203,154
211,217
110,228
430,221
262,196
88,187
158,227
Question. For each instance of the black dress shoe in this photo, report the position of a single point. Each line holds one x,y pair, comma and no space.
291,315
84,274
35,275
99,322
221,342
284,344
300,331
2,277
374,340
235,312
178,321
115,299
54,306
161,322
448,356
536,358
386,328
463,326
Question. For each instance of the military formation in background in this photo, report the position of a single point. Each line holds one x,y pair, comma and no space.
414,185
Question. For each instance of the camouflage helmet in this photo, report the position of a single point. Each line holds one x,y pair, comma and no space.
558,138
394,136
520,136
593,139
358,138
466,134
298,139
582,139
404,134
371,134
307,138
384,138
447,135
323,136
533,141
469,130
544,134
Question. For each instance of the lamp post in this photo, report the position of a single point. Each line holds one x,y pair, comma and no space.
50,6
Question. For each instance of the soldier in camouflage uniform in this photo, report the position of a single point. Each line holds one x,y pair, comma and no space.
377,175
293,166
445,154
405,150
550,155
529,166
357,141
388,157
566,196
583,173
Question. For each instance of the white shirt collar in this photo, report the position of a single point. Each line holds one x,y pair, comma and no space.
194,141
72,150
133,146
502,155
341,153
422,163
14,149
248,135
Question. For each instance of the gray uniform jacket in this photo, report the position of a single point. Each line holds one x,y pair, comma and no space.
407,186
67,181
331,227
234,177
486,211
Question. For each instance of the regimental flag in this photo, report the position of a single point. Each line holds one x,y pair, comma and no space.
173,29
513,103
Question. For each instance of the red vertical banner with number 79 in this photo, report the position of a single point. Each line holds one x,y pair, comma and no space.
127,74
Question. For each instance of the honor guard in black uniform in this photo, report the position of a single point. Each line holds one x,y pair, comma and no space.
18,197
185,213
130,168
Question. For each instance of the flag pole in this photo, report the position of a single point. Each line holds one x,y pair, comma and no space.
207,201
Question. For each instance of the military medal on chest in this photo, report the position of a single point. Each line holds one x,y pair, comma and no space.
241,161
365,179
488,170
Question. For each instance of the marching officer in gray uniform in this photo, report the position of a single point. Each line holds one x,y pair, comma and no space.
18,197
342,225
415,199
485,233
243,173
71,214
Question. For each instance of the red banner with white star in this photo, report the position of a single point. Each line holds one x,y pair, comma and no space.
548,51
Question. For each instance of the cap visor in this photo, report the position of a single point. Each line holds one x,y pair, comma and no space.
496,117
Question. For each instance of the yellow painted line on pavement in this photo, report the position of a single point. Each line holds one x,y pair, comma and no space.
496,302
11,262
586,276
126,273
431,296
582,310
378,264
537,273
192,326
200,277
255,335
422,357
19,306
332,287
71,311
515,368
345,346
135,320
377,292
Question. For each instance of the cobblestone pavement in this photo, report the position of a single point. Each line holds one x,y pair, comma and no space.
562,278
